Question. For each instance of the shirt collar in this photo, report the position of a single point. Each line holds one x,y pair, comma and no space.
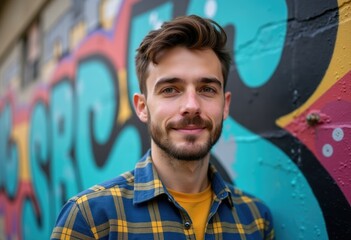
148,185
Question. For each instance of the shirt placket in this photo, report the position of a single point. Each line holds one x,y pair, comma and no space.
210,232
187,223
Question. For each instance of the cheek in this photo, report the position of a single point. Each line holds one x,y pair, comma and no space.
215,112
159,114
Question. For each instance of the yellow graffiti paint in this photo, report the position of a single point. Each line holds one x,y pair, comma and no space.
340,63
20,136
105,19
78,32
124,109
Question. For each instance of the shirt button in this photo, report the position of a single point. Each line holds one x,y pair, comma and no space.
187,225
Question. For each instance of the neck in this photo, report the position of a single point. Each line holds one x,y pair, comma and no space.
181,175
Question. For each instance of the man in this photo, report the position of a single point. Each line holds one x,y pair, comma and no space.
173,192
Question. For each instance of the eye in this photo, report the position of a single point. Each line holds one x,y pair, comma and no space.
208,90
169,91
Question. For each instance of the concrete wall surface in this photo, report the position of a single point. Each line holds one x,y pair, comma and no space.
67,121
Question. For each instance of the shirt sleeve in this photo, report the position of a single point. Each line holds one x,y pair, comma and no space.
269,230
71,224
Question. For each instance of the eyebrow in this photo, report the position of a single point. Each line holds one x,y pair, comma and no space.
169,80
211,80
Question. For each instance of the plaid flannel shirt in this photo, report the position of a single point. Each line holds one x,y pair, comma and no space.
136,205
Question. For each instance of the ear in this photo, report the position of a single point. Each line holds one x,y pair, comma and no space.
140,107
227,99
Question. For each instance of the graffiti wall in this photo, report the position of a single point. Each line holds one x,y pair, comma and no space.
67,121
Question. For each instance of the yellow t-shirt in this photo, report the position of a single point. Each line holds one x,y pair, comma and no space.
198,207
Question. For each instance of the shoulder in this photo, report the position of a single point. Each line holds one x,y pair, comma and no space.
122,183
240,196
249,205
92,207
252,210
99,199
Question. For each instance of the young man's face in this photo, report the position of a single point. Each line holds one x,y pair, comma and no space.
185,104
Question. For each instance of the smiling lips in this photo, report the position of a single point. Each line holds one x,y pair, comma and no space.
190,125
190,129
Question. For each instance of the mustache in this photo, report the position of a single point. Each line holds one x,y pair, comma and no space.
187,120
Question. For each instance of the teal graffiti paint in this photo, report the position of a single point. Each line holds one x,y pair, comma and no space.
37,219
10,153
140,25
261,168
63,176
126,152
259,35
97,108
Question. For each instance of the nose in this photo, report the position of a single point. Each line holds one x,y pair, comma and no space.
190,104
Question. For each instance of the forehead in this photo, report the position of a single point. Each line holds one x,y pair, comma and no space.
185,64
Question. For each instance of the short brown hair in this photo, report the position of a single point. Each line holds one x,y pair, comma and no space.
192,32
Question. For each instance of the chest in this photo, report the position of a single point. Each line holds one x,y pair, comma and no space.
167,220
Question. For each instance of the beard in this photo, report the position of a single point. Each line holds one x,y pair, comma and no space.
193,151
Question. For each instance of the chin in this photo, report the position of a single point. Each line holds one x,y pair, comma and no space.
190,152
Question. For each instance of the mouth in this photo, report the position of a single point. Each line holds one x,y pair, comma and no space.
190,126
190,129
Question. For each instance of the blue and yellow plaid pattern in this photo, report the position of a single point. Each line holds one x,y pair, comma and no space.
136,205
